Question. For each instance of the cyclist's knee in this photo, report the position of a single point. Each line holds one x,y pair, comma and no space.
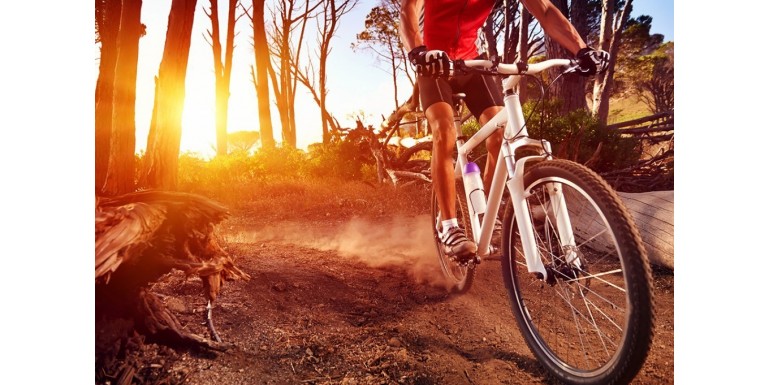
444,134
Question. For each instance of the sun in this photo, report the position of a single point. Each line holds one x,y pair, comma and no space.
199,125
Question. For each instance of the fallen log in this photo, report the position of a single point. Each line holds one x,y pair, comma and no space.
653,213
142,236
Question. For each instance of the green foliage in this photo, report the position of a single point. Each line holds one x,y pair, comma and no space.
470,127
645,66
652,78
381,33
337,159
234,175
577,135
335,175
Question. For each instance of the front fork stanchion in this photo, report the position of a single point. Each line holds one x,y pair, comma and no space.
523,219
563,223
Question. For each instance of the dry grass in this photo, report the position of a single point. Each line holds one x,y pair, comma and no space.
626,108
309,198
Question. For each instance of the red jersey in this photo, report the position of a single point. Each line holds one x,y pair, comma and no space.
452,25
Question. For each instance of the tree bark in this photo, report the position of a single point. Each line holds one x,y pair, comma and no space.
610,42
259,74
284,84
222,71
569,89
161,162
109,26
120,169
330,25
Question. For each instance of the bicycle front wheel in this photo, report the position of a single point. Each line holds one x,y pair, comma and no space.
591,321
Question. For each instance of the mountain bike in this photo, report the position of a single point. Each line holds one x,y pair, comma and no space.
573,262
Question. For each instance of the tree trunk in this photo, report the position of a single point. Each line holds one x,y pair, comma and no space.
610,42
330,21
108,36
605,36
166,127
120,170
281,83
222,83
223,72
489,35
280,88
259,74
569,89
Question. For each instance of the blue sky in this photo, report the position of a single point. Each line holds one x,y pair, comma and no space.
662,12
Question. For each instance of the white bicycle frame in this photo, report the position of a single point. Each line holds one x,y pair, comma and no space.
515,136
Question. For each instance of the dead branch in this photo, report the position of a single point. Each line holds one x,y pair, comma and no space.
410,105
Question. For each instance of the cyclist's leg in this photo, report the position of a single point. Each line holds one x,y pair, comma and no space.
484,100
440,118
436,99
493,144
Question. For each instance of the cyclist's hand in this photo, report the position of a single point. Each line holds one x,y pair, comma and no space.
430,63
591,61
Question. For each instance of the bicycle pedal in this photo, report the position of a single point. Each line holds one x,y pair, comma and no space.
470,263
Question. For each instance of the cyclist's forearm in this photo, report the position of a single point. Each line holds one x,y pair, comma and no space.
409,29
555,24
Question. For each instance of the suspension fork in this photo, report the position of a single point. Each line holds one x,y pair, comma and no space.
563,223
521,211
555,212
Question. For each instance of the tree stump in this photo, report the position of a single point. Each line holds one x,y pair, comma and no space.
142,236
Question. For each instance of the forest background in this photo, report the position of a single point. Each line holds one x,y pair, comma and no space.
47,118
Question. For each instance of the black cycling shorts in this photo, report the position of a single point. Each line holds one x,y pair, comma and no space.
482,91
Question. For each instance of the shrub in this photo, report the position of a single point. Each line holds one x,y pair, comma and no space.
577,136
344,160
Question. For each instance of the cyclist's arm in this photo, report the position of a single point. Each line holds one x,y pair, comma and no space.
555,24
409,28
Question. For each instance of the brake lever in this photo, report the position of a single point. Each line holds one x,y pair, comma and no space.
573,68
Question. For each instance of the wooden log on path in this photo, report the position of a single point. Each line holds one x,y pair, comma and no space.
653,213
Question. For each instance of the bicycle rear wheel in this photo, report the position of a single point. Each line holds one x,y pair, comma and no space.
460,277
586,324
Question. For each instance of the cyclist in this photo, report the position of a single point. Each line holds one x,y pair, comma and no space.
450,29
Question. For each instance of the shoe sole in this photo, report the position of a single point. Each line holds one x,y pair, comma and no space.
461,253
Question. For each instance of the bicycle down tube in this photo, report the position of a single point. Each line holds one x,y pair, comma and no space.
515,136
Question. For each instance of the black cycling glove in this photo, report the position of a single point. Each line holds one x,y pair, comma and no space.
591,61
430,63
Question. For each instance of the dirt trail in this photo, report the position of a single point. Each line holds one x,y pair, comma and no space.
359,301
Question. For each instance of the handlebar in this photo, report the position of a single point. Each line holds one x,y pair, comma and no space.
488,67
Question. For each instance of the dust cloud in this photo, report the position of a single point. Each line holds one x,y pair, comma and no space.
404,242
